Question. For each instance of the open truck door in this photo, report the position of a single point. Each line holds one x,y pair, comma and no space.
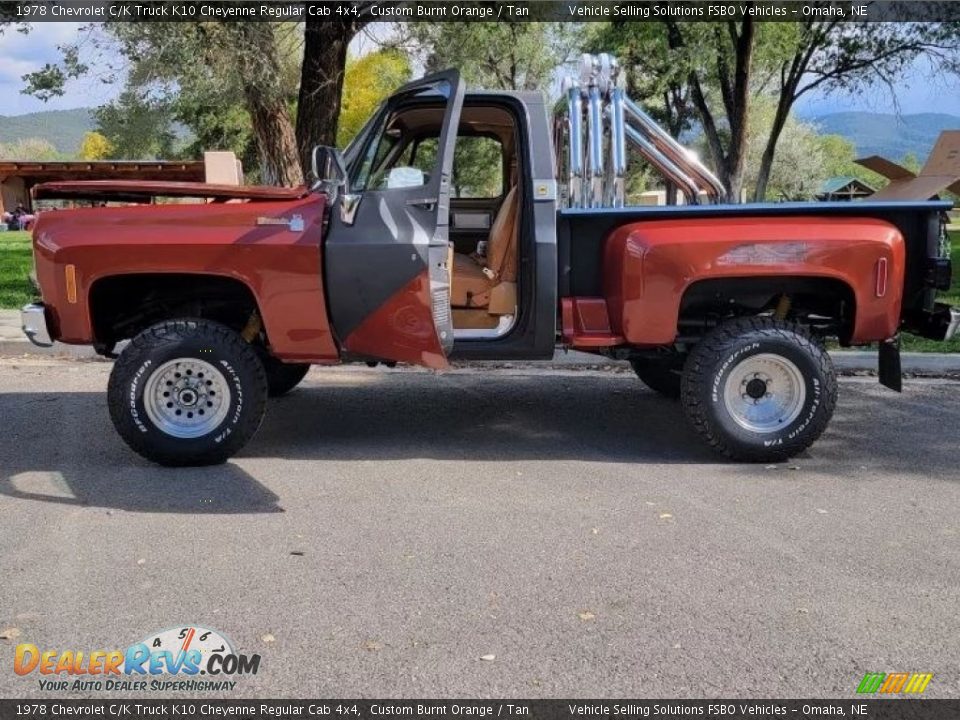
387,256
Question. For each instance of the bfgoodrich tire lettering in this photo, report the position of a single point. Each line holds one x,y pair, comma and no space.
786,372
231,365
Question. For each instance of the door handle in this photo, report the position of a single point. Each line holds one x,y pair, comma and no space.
425,203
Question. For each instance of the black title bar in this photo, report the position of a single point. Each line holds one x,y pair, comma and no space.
171,709
467,10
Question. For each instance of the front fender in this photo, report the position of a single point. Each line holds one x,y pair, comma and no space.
648,266
271,247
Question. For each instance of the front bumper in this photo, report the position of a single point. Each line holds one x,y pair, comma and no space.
33,318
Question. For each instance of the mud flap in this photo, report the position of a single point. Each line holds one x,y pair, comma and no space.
891,375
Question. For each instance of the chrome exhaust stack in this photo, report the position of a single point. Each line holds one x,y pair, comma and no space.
595,122
681,156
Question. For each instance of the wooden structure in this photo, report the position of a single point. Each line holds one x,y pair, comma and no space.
18,177
844,188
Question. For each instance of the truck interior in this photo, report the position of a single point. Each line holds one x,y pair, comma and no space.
485,198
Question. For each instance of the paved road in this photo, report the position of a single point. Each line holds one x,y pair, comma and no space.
387,530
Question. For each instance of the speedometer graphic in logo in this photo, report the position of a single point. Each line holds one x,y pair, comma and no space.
189,638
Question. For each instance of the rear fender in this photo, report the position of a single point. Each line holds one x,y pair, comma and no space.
648,267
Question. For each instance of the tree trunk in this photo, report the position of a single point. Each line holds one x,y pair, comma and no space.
738,114
273,130
784,104
321,83
259,69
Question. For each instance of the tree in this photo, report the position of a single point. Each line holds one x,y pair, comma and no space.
801,165
33,149
725,66
321,81
137,126
250,62
240,62
841,56
505,55
95,147
839,155
368,80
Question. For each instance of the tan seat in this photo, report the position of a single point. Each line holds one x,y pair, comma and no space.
474,278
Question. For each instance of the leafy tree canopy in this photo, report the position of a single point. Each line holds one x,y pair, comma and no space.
368,80
95,147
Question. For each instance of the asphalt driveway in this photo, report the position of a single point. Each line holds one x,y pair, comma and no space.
521,533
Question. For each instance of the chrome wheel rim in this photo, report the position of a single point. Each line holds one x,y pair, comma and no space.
186,398
764,393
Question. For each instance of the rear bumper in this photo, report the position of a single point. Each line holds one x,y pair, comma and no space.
954,323
33,319
941,323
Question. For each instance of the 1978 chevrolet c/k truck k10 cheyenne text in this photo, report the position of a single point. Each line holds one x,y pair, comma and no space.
481,226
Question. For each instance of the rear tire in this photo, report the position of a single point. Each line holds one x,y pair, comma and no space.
661,376
759,389
187,392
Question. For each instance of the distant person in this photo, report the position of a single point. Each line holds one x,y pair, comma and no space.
22,218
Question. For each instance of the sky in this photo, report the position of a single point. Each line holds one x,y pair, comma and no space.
921,89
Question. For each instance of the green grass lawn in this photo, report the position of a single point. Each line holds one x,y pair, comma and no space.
16,260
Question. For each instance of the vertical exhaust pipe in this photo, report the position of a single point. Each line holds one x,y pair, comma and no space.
618,149
575,169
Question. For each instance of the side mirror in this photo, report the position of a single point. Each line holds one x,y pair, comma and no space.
328,168
330,173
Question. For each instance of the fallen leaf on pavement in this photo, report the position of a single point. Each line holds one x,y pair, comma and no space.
372,646
488,658
268,638
586,615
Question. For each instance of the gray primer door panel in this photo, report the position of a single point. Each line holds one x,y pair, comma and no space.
397,234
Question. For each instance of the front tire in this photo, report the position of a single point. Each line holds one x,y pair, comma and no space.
187,392
759,389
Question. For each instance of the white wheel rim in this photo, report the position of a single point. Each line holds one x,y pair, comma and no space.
764,393
186,398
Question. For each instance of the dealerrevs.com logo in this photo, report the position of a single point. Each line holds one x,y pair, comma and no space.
190,658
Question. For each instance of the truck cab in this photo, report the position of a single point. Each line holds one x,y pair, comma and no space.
446,203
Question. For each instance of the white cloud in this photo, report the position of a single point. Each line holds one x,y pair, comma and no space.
23,53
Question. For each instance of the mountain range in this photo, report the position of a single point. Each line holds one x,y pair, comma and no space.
891,136
64,129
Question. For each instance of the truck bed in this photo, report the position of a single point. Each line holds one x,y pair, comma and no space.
581,232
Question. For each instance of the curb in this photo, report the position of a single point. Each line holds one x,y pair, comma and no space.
67,352
845,360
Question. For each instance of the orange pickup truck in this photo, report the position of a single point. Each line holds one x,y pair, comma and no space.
483,226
